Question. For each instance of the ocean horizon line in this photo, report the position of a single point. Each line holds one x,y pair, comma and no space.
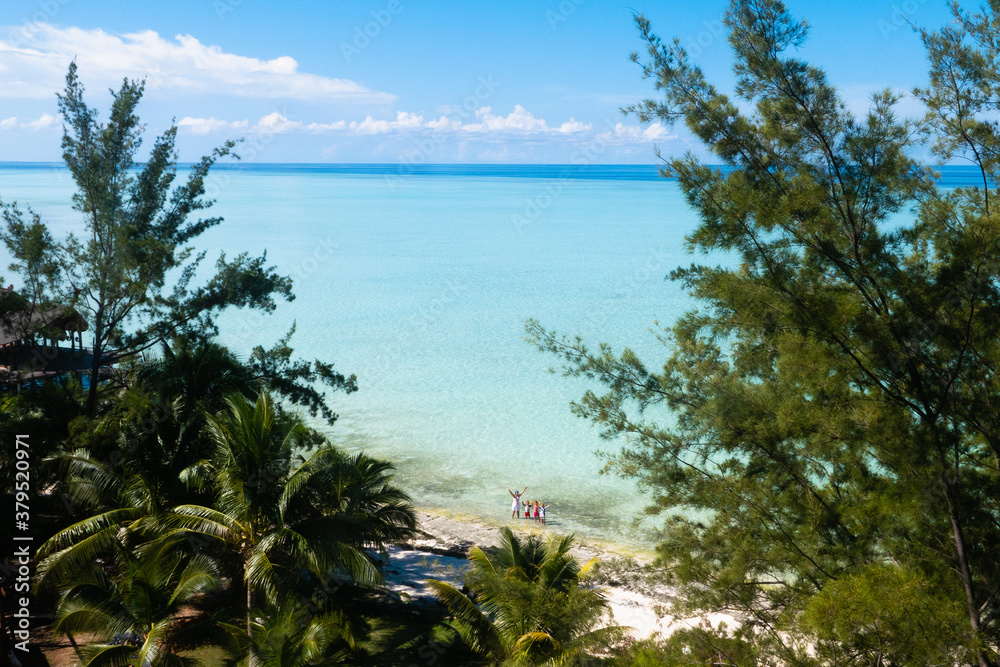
950,175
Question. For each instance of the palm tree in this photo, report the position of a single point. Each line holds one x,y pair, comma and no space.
126,504
134,608
138,472
283,522
294,637
531,607
167,403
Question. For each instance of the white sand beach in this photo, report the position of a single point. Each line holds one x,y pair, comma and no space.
439,553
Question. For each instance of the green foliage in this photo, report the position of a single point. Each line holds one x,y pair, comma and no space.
133,609
292,637
31,246
122,504
530,606
826,421
277,518
691,646
131,274
886,614
279,529
202,513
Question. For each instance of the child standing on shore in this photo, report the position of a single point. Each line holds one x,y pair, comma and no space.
542,508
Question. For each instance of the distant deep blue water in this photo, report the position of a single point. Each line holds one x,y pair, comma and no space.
419,279
951,176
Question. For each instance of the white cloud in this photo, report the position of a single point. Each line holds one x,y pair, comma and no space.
40,123
320,128
275,123
653,132
404,121
443,124
520,120
573,126
408,120
486,126
33,64
206,125
371,126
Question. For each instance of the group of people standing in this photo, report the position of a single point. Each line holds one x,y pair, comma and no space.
534,509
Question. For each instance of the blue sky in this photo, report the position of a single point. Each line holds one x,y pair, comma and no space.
408,80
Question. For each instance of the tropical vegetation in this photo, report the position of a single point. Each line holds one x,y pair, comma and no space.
822,438
821,443
529,604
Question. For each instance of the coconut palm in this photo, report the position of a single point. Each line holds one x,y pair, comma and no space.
133,607
281,522
126,504
295,637
532,608
188,381
142,445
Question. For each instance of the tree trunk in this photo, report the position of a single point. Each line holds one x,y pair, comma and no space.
95,363
252,659
963,567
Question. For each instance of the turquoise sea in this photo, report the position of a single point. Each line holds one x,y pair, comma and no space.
419,280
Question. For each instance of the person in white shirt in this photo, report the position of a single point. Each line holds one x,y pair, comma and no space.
515,508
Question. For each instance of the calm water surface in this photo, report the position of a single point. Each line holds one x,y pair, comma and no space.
419,281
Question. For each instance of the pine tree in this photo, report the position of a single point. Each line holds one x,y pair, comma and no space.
131,272
826,423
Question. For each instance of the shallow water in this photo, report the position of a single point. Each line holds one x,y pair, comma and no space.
420,284
421,287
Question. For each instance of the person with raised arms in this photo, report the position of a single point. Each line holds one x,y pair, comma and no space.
515,508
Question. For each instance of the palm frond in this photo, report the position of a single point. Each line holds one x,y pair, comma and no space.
81,554
529,642
197,476
103,655
200,575
87,527
588,568
480,560
476,629
101,617
206,520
